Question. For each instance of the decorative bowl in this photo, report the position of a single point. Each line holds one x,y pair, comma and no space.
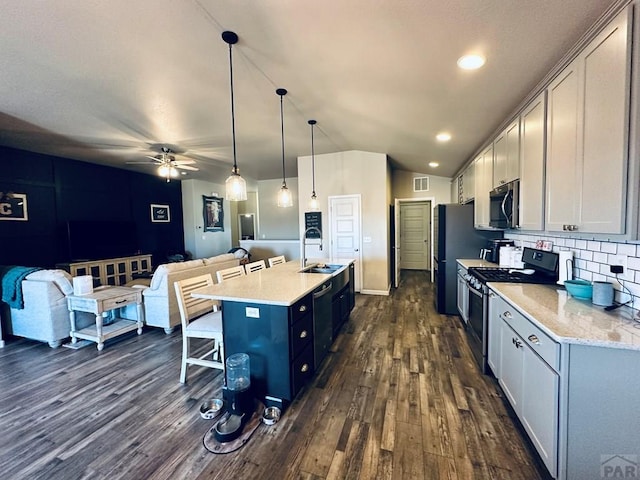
211,408
580,289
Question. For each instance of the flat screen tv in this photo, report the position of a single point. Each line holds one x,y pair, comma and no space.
94,240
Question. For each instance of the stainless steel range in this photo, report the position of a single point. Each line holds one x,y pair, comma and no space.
539,267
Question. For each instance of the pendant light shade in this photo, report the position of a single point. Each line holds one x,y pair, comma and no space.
313,204
285,199
235,186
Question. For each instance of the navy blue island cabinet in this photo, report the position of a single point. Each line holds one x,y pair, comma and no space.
279,342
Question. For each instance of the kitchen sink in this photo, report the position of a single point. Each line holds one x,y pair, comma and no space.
326,269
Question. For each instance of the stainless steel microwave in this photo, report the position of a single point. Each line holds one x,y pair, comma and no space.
504,205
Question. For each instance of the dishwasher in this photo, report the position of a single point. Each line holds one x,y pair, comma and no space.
322,324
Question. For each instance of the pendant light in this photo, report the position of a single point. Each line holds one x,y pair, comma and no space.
236,187
284,195
313,205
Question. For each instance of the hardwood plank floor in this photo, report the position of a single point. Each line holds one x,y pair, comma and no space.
399,397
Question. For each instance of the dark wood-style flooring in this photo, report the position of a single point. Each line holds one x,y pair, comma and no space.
399,397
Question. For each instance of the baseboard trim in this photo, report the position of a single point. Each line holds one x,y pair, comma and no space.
375,292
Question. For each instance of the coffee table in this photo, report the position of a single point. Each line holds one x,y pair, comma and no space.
105,299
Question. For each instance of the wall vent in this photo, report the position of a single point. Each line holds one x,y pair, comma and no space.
420,184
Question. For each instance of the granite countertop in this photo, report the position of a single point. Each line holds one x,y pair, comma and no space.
277,285
569,320
475,262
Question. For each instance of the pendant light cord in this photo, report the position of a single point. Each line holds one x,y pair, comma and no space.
233,112
313,162
284,182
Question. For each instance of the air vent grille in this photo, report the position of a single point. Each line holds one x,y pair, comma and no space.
421,184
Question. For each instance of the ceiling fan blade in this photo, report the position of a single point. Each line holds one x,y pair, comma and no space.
184,162
187,167
141,162
154,158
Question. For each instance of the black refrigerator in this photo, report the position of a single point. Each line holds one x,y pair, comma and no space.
454,237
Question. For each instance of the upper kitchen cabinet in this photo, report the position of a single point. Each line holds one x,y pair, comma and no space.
587,140
532,138
468,184
483,174
506,155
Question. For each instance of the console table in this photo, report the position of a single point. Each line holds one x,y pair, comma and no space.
103,300
111,271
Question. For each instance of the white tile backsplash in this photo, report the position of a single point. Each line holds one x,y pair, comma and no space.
592,260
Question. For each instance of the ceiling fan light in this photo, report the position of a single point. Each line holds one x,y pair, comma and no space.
235,188
173,172
285,199
163,170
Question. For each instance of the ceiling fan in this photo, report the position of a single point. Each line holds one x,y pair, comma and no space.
167,164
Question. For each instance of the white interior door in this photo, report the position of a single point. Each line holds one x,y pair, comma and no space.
396,253
415,222
344,218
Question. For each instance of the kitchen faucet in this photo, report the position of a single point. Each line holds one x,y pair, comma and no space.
303,260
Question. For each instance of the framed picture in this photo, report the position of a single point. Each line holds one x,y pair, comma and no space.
213,214
13,206
160,213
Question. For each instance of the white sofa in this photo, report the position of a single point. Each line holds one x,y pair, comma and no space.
160,304
45,316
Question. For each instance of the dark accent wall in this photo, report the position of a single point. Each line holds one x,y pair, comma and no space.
60,189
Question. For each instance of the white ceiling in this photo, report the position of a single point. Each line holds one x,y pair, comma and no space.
113,81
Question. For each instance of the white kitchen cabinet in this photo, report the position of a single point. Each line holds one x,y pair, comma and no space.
506,155
483,176
539,406
587,136
468,184
532,155
530,384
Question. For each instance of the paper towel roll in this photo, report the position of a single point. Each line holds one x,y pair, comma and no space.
565,266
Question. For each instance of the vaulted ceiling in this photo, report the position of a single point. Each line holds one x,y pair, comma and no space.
113,81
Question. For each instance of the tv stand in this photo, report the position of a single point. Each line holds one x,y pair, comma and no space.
111,271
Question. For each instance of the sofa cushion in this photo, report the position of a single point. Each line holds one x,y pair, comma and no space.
225,257
61,278
161,272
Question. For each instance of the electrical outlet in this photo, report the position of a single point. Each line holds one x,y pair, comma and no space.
616,269
619,261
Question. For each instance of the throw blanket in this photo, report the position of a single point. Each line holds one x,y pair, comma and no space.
12,285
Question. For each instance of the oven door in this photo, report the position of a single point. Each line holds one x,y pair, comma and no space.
477,326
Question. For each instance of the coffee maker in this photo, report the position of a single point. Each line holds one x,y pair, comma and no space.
494,248
238,398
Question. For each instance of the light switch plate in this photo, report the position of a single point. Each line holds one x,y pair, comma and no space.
252,312
366,240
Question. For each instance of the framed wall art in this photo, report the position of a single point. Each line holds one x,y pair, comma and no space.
213,214
160,213
13,206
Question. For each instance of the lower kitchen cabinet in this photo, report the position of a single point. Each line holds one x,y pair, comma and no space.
279,342
531,387
572,399
343,300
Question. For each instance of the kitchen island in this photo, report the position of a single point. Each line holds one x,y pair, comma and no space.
269,314
570,370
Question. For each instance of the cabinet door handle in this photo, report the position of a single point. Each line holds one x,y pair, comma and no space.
492,295
304,368
534,339
120,301
303,308
507,314
303,334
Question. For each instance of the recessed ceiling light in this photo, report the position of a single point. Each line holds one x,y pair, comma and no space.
434,164
443,137
471,62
